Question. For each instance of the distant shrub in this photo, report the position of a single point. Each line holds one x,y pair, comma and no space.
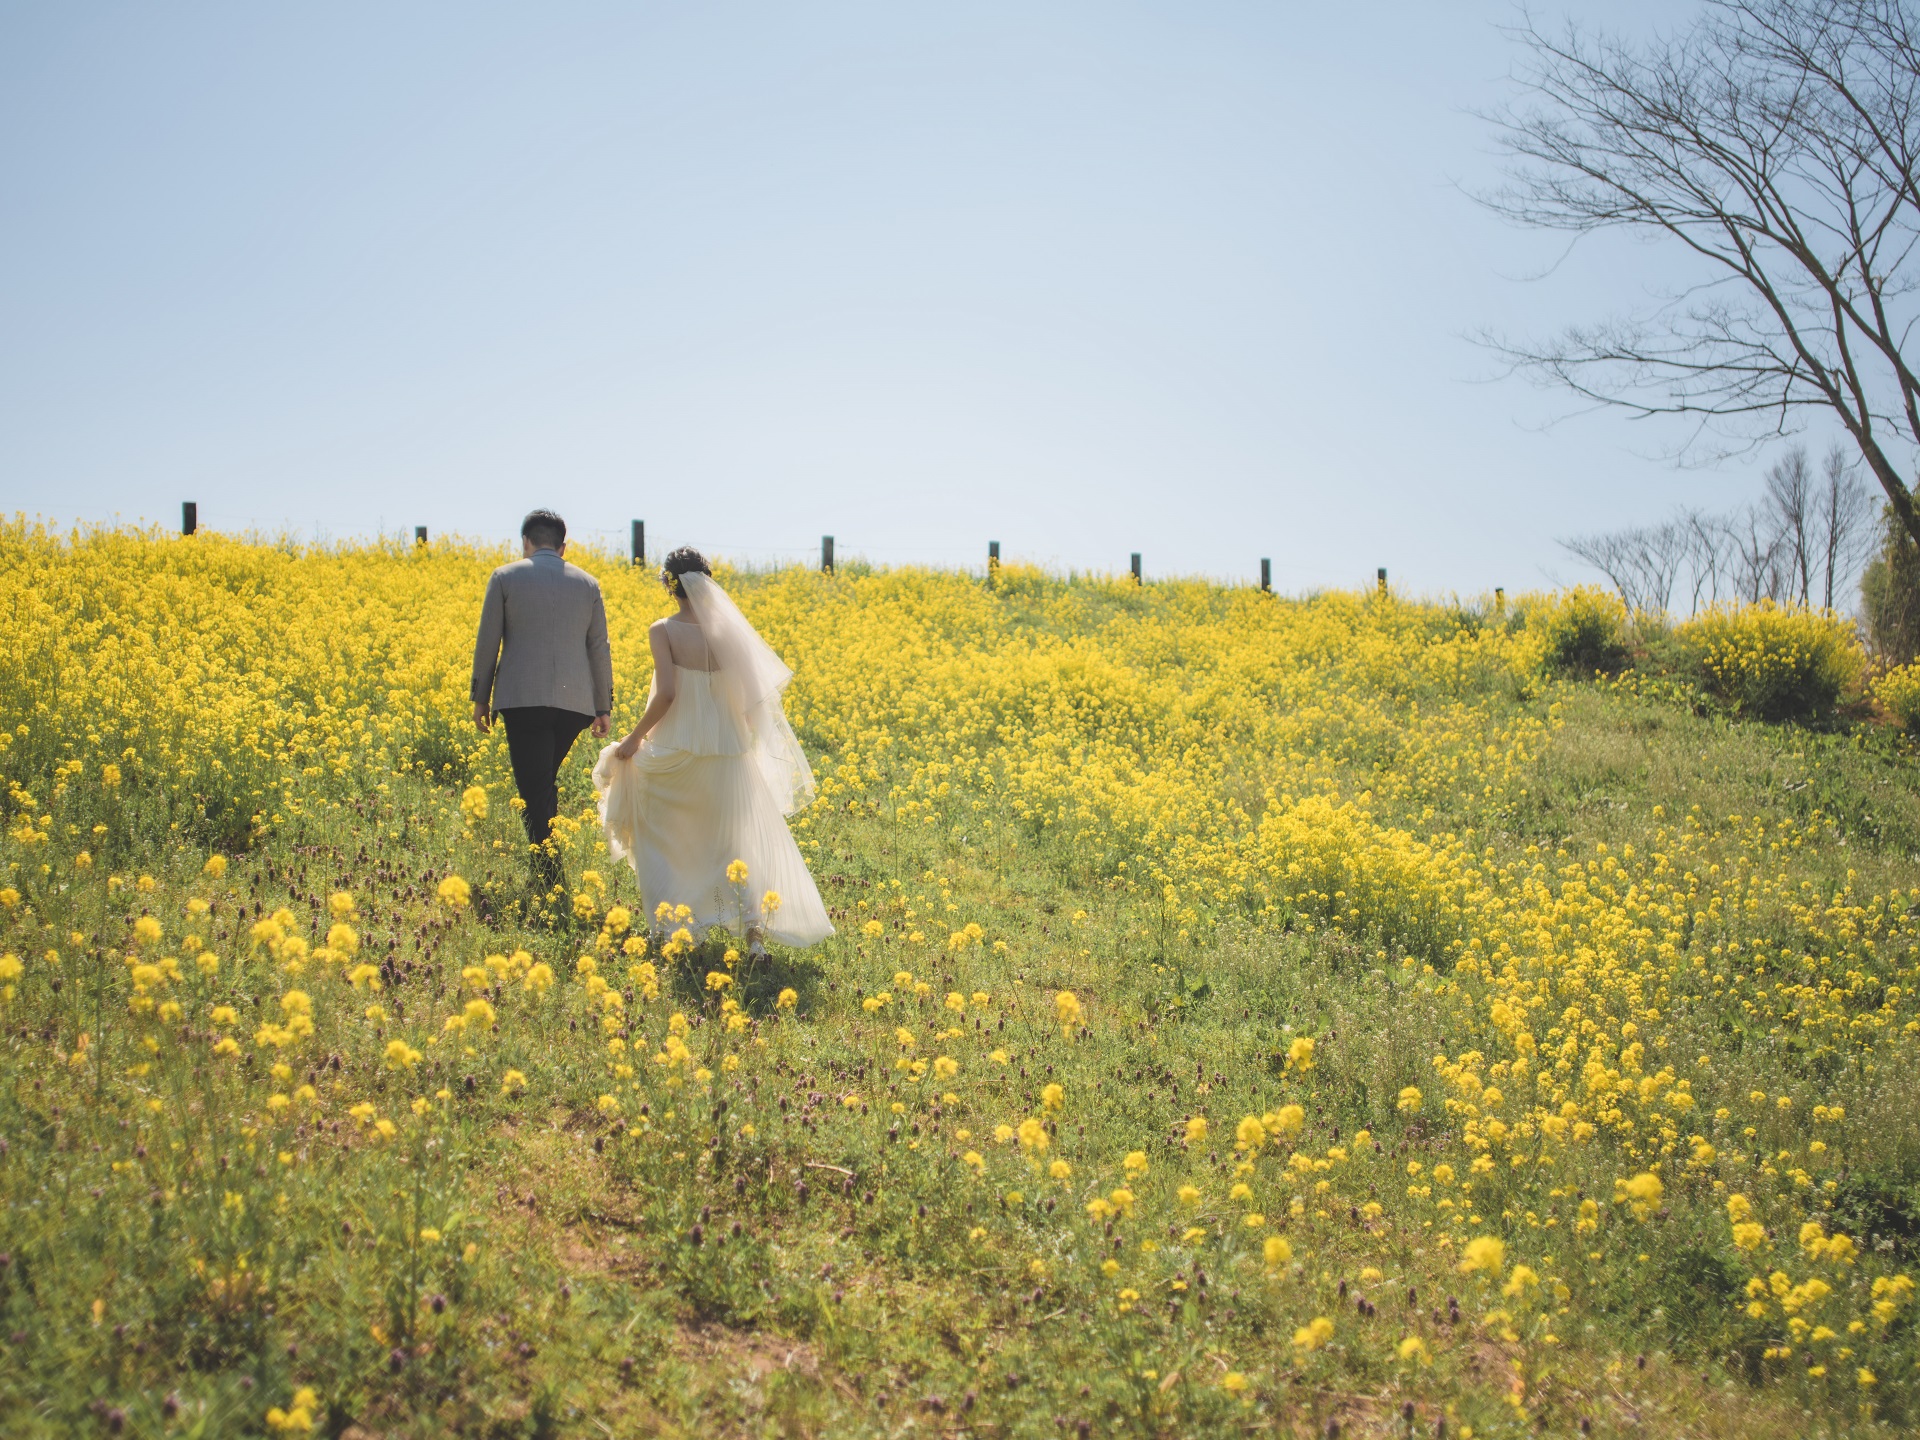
1899,691
1890,593
1583,629
1773,663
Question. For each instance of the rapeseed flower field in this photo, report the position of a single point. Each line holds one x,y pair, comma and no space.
1248,1015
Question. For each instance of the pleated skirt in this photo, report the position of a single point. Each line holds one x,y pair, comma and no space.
683,820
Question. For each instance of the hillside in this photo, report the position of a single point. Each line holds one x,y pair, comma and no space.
1248,1014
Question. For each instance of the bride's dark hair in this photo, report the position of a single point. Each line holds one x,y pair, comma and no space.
685,559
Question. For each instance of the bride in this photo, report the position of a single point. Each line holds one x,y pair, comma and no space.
698,791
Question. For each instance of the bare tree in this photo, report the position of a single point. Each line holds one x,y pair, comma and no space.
1806,537
1608,555
1663,550
1757,572
1843,523
1777,142
1707,538
1643,563
1789,504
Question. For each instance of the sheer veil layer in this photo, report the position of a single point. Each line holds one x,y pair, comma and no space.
754,677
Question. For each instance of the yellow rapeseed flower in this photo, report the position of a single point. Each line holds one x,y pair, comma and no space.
1487,1253
1314,1334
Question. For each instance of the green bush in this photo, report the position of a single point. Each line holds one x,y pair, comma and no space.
1772,663
1890,593
1899,692
1584,631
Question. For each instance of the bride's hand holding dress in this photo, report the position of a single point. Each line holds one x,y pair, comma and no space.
659,695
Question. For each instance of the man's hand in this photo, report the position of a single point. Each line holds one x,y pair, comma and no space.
602,727
482,716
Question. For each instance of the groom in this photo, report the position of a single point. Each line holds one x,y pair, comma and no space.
542,664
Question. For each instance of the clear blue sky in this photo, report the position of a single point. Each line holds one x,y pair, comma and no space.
1190,279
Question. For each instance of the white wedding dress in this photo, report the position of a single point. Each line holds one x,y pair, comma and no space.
711,784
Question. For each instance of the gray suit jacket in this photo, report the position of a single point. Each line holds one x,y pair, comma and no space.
543,639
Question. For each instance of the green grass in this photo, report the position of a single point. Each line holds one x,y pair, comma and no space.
822,1276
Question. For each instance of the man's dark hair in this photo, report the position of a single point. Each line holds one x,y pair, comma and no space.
679,563
545,529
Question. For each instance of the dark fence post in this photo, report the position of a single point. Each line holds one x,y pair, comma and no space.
1383,579
420,535
1499,598
1266,575
189,517
826,554
1134,566
993,554
639,542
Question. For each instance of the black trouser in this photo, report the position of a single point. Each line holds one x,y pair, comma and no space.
538,738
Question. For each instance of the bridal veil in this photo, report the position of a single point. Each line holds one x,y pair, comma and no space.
753,678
